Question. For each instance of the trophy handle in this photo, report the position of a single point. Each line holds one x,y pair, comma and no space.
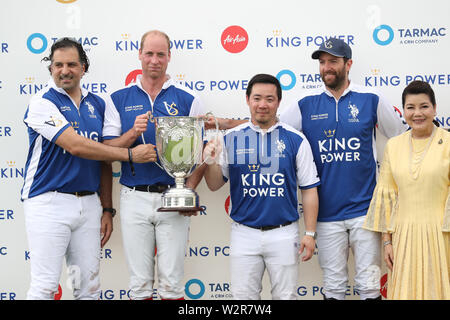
143,139
217,129
157,163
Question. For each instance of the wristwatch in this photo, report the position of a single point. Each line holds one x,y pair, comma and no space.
111,210
311,234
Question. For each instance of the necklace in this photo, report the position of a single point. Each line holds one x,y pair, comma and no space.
415,160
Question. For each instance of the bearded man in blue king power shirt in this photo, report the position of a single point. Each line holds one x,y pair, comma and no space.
339,121
264,161
63,213
127,124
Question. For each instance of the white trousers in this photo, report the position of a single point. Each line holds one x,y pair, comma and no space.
253,250
145,230
333,242
61,225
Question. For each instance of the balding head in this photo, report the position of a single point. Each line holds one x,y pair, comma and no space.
155,33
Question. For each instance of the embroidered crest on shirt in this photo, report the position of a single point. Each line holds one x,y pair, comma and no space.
171,108
353,113
280,146
91,110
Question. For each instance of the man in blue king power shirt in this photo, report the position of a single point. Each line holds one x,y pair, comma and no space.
143,227
264,160
63,213
339,121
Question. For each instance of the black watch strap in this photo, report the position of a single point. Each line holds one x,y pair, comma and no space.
111,210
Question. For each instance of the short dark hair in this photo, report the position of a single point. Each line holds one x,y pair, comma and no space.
68,43
418,87
264,78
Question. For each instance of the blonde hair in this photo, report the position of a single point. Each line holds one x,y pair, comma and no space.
155,32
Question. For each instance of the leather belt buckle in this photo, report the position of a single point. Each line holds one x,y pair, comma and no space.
267,228
83,193
151,188
79,193
162,188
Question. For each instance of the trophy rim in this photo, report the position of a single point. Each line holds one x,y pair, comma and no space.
184,117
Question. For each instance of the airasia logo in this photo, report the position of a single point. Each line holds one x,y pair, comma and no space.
228,205
234,39
132,76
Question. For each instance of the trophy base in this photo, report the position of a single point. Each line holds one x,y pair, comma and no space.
179,199
181,209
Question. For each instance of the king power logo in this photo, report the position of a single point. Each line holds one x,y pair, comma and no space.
126,43
30,86
279,39
4,47
5,131
10,171
262,185
334,149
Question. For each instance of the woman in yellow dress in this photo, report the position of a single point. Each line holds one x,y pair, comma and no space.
411,205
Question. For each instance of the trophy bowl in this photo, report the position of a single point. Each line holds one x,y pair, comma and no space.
179,142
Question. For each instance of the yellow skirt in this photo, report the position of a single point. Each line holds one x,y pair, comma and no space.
421,263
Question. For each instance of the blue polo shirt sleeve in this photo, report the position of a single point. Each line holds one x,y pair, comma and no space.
112,126
45,118
307,176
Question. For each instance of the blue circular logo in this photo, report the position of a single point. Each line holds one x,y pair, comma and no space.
188,291
291,75
378,29
38,36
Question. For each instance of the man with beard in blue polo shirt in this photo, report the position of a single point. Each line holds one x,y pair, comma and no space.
339,121
265,160
130,123
63,213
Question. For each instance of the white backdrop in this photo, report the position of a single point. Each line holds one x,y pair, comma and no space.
278,37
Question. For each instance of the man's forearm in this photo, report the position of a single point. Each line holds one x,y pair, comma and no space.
106,185
125,141
214,177
195,178
83,147
310,202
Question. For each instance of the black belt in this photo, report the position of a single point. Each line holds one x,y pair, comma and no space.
79,193
267,228
151,188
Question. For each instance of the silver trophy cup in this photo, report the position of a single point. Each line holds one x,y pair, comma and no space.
179,142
